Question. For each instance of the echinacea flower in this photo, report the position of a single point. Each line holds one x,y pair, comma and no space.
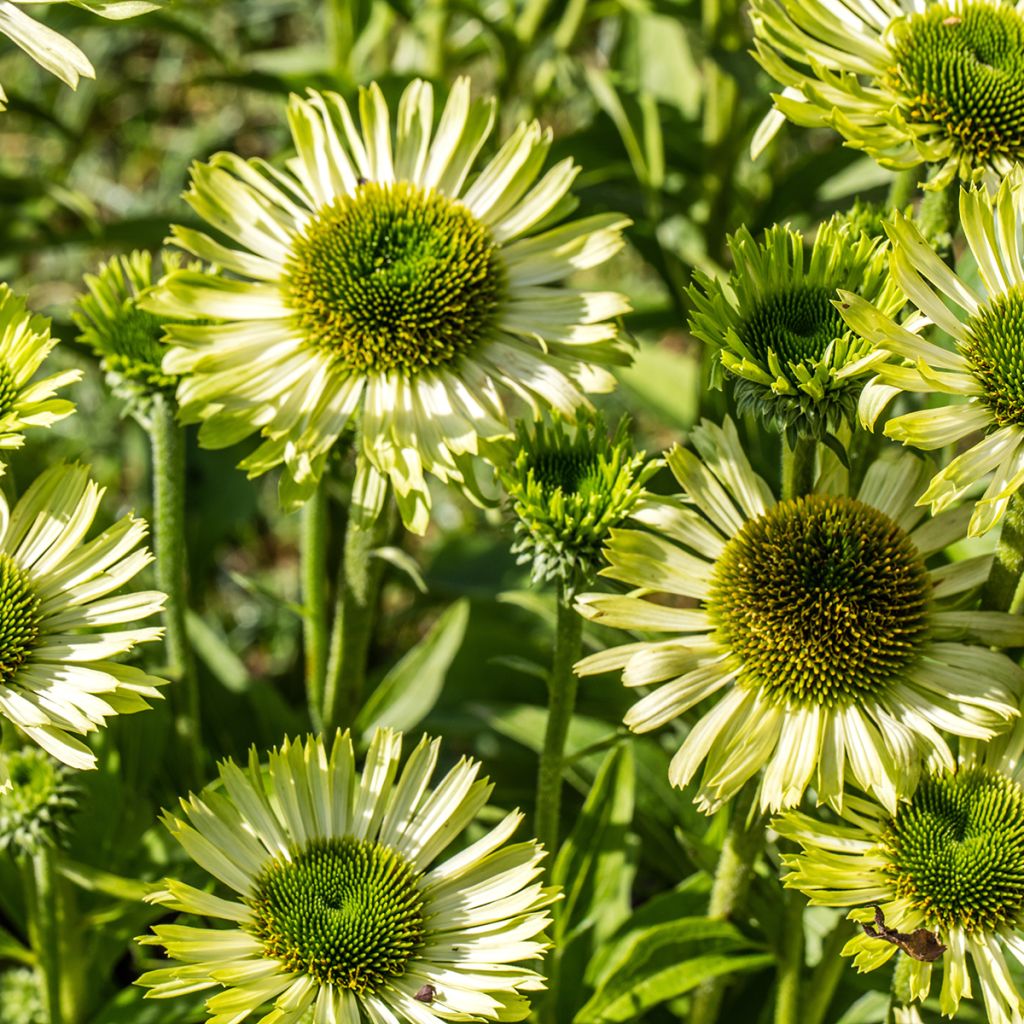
382,284
910,82
813,627
338,901
50,49
982,378
569,486
61,618
949,859
25,342
776,333
126,338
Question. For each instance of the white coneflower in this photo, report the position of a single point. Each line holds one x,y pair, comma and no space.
816,630
339,902
379,285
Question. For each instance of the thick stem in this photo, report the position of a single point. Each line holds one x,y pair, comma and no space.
44,884
743,843
168,448
799,465
900,995
903,188
355,609
562,686
939,217
314,598
791,962
1004,590
825,980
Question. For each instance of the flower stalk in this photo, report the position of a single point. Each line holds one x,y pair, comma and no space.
314,599
562,687
168,452
1004,590
44,887
798,467
791,959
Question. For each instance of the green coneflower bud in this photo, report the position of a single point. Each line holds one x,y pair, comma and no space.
569,488
21,997
125,338
776,330
36,803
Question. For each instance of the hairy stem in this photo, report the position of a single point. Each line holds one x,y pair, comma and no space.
355,608
168,451
562,686
44,885
1004,590
791,961
903,188
799,466
314,598
743,843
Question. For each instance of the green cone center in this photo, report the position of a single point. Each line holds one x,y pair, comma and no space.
346,912
19,619
797,324
395,278
956,850
961,67
995,350
8,391
823,599
131,345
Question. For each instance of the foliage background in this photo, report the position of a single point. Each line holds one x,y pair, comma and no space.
657,101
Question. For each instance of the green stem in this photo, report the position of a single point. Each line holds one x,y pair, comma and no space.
562,686
825,978
798,467
939,218
791,961
44,884
314,598
1004,590
168,451
340,32
529,21
900,995
903,188
355,607
743,843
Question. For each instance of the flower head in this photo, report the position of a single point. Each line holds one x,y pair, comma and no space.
949,858
982,380
777,333
57,607
35,803
814,623
908,81
25,342
568,488
126,338
378,285
50,49
339,903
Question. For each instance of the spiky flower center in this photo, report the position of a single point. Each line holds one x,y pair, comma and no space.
823,599
346,912
797,324
995,350
19,618
961,66
956,850
571,470
8,391
130,343
394,278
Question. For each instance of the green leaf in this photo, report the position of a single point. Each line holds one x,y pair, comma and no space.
216,654
634,993
94,880
408,693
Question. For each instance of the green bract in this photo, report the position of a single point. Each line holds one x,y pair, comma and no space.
386,283
776,331
949,858
980,382
822,643
126,338
339,904
35,804
569,487
939,82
